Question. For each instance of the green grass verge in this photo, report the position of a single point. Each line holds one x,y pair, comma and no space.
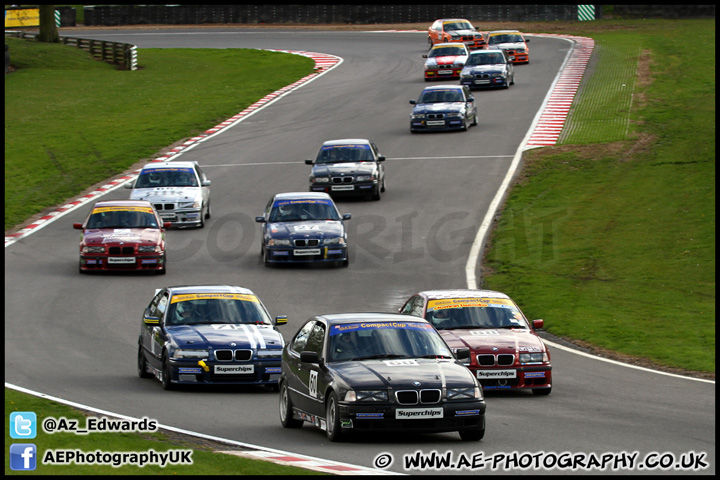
71,122
613,242
204,460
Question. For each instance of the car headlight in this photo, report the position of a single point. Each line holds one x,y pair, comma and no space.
190,354
366,396
454,114
269,354
464,393
364,178
278,241
417,115
520,50
194,204
319,179
100,249
533,357
334,241
149,249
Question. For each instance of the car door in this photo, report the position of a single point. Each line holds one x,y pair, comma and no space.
312,376
470,107
380,163
294,370
204,184
153,320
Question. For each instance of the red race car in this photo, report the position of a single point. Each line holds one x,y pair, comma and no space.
122,235
505,351
445,60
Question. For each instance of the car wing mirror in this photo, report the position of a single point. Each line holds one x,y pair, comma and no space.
347,216
206,183
538,324
167,224
413,102
281,320
309,162
260,219
425,56
527,40
309,357
77,226
462,353
129,185
381,158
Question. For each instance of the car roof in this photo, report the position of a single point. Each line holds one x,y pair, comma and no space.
344,318
486,51
301,195
344,141
453,19
462,293
503,31
443,87
123,203
180,289
170,164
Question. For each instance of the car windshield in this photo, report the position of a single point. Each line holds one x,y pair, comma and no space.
216,308
485,59
445,51
507,38
302,210
345,153
450,26
122,217
166,177
385,340
474,313
441,96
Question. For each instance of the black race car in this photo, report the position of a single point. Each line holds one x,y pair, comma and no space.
367,371
348,167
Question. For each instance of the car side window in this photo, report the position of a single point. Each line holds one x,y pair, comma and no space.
316,339
301,338
413,307
158,306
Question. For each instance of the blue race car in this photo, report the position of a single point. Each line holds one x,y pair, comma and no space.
209,334
302,227
443,107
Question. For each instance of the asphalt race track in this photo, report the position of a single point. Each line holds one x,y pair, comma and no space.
75,336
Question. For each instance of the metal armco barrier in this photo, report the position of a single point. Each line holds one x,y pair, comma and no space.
121,54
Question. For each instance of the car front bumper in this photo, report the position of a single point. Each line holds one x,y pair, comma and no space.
327,253
513,377
441,73
346,189
425,418
107,263
225,373
454,123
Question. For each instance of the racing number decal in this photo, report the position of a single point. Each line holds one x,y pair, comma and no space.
313,384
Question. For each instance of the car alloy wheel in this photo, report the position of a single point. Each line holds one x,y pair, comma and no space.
286,409
332,419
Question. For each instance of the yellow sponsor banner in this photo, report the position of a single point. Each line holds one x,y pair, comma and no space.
26,17
214,296
122,209
466,303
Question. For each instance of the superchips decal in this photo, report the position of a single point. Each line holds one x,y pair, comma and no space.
122,209
214,296
350,327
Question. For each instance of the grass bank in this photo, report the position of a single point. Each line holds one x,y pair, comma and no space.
204,461
610,236
71,122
